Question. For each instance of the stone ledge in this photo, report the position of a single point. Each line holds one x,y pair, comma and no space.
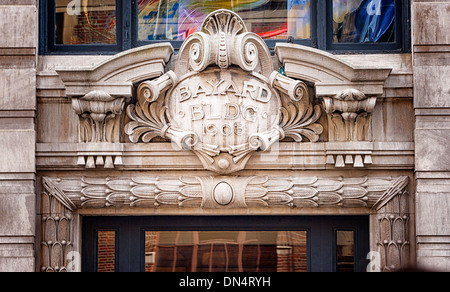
167,156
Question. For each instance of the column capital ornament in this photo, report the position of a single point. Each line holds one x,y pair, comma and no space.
99,114
349,114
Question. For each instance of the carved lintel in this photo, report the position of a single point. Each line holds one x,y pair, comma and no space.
349,115
215,191
99,115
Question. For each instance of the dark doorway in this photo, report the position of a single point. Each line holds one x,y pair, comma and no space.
226,244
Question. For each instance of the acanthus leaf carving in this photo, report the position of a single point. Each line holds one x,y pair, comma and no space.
99,115
299,116
349,115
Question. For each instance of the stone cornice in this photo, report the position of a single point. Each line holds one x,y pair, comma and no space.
117,75
283,156
330,74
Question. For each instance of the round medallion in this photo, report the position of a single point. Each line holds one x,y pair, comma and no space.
223,163
223,194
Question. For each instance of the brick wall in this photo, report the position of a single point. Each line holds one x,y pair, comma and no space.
106,252
292,251
97,28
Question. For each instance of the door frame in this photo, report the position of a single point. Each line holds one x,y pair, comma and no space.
321,239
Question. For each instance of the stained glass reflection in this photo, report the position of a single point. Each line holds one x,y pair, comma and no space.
85,22
363,21
177,19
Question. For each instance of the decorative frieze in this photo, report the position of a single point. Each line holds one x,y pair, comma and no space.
385,197
214,192
393,232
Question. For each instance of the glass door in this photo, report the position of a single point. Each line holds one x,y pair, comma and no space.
225,243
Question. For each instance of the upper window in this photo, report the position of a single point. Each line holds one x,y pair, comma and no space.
115,25
177,19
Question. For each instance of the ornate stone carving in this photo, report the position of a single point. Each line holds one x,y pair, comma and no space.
224,101
226,192
387,198
224,41
349,115
100,122
57,229
299,116
99,115
393,233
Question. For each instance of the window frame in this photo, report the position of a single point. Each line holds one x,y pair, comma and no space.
312,42
401,35
47,45
127,32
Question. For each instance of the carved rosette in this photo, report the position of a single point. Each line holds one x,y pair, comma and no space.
223,101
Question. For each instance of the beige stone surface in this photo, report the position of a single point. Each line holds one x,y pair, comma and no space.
10,97
23,35
431,51
430,23
407,133
18,41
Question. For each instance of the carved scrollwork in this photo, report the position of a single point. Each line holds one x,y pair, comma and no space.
148,122
299,117
199,51
148,116
247,56
296,90
224,101
150,91
263,141
224,41
300,121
